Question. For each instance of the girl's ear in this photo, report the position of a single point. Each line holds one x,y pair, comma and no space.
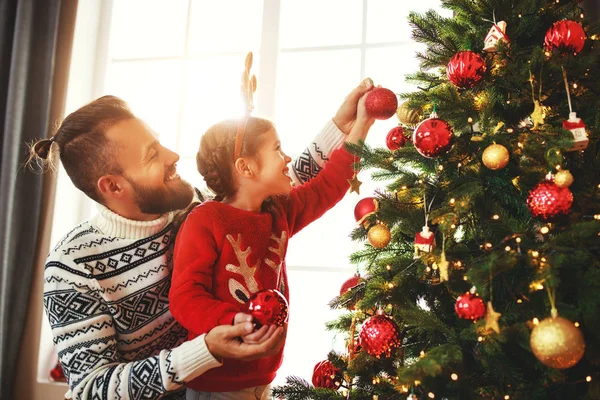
244,167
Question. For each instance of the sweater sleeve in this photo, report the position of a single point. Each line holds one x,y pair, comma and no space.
191,299
86,339
311,161
310,201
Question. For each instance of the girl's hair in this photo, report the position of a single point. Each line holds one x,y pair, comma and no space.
215,157
82,146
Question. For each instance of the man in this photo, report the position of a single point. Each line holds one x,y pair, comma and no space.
107,281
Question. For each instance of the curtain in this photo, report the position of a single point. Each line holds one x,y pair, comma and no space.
35,46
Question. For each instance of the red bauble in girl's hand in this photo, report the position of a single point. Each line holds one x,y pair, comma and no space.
465,69
565,36
469,306
395,138
268,307
326,375
381,103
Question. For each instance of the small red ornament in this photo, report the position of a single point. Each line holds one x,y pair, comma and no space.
577,128
350,284
433,137
381,103
57,374
465,69
379,336
395,138
469,306
547,200
424,242
364,208
326,375
565,36
268,307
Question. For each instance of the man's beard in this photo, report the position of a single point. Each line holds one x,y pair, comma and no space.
163,199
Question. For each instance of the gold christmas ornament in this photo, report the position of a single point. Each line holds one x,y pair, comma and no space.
354,184
538,115
409,116
563,178
379,236
495,157
557,343
491,318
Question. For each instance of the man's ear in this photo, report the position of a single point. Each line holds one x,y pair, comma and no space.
110,186
244,167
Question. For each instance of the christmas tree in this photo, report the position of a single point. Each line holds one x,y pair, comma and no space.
480,278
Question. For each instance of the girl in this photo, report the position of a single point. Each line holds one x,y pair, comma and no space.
231,247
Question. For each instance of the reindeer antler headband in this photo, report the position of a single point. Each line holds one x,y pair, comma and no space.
248,88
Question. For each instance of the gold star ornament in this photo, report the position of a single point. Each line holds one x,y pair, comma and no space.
354,184
491,318
538,115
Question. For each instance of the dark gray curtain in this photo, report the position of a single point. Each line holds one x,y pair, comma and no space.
32,89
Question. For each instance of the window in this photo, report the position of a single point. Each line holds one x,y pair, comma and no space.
178,64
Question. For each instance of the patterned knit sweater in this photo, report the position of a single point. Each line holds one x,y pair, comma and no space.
223,254
106,288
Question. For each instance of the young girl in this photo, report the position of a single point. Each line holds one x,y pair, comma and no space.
231,247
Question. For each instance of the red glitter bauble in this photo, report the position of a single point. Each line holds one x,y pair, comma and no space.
433,137
379,336
57,373
350,284
326,375
268,307
364,208
469,306
465,69
547,200
565,36
381,103
395,138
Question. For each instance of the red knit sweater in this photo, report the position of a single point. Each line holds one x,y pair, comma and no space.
224,254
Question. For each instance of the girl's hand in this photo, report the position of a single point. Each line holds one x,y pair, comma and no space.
363,123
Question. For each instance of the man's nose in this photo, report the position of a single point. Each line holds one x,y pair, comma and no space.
171,157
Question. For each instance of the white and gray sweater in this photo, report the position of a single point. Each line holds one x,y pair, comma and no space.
106,287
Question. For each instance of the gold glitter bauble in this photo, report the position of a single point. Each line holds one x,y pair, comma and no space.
408,116
495,156
563,178
379,236
557,343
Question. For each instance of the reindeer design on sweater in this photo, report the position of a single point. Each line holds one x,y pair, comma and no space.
243,291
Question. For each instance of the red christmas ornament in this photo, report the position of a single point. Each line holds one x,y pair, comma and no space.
465,69
433,137
379,335
395,138
364,208
381,103
565,36
268,307
350,284
469,306
326,375
424,242
57,374
547,200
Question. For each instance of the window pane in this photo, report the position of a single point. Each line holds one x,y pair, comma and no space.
307,340
148,28
152,89
211,94
310,23
387,19
310,88
225,25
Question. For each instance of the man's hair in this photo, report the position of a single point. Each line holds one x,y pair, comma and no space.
82,146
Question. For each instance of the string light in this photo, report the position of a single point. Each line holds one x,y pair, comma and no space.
440,168
453,226
520,15
495,217
488,245
574,86
465,278
390,285
452,201
519,301
422,354
547,53
431,395
459,264
588,378
597,217
404,389
507,248
480,339
535,253
404,187
510,130
581,15
518,240
454,377
506,397
576,324
470,120
388,267
536,321
545,230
